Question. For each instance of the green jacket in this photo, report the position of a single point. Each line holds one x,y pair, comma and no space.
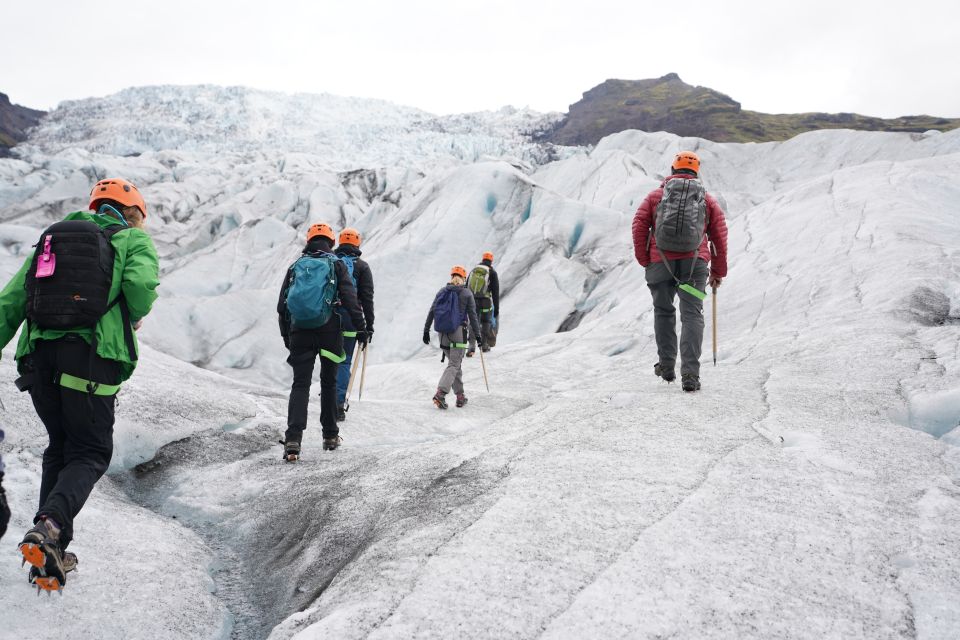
135,274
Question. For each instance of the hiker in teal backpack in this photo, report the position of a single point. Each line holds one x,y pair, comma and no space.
484,283
82,293
310,326
452,308
348,250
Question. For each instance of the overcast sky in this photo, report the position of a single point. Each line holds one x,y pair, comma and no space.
885,59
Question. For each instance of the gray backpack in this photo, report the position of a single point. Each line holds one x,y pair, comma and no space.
680,220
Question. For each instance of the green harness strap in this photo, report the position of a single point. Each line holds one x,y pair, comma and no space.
332,356
692,290
349,334
85,386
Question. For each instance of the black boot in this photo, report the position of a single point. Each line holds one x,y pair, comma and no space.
668,375
690,382
341,413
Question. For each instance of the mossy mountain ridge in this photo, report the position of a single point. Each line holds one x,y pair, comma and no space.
14,122
669,104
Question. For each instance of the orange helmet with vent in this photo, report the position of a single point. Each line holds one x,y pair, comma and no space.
686,160
488,256
322,230
350,236
458,270
118,190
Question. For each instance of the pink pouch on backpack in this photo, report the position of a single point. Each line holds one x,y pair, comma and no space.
47,262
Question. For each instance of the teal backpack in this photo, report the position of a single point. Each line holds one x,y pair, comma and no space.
313,293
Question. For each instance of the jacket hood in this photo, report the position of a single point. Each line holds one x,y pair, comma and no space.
674,176
318,245
349,250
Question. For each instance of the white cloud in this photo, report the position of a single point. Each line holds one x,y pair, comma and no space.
453,57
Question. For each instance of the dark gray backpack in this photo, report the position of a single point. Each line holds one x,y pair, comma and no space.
680,220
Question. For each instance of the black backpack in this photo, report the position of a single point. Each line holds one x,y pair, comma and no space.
68,283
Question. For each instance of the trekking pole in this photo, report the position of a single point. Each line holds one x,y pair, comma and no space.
484,365
714,326
353,371
363,370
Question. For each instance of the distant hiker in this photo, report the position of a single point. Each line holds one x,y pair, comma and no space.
485,286
349,253
82,292
310,326
452,307
678,230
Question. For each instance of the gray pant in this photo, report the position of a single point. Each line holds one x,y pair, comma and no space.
452,376
663,288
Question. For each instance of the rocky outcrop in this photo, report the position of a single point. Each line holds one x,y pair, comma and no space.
669,104
14,122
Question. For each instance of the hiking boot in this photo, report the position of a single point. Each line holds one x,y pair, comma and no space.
690,382
668,375
341,413
329,444
291,450
70,563
41,548
485,349
439,399
471,353
461,399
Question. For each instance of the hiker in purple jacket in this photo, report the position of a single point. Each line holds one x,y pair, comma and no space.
452,308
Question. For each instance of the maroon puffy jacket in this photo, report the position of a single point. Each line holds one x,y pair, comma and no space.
716,232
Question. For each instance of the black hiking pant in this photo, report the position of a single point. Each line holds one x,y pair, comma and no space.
79,425
305,346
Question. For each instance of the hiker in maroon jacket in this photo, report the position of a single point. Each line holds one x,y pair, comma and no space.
697,221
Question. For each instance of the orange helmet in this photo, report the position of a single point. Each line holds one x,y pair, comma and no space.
350,236
458,270
487,255
321,229
686,160
118,190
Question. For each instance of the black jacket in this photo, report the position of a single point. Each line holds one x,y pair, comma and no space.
494,288
347,295
467,304
364,277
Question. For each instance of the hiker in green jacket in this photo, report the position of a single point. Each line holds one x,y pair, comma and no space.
80,295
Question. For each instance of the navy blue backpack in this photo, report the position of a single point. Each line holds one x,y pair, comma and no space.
447,316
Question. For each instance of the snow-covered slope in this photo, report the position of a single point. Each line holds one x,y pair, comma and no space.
812,489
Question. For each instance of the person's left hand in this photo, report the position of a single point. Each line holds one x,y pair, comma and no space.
138,324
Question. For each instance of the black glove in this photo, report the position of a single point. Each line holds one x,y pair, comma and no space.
362,339
426,336
4,509
480,341
286,341
369,335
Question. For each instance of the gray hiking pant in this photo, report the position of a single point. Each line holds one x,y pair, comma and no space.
663,288
452,376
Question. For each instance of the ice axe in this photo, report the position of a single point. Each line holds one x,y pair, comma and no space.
353,371
363,369
483,364
714,326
